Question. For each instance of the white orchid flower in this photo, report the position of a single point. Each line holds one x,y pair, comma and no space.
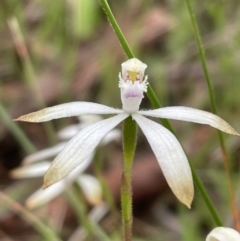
164,144
223,234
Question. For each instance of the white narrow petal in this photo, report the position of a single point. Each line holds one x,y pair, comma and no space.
41,197
79,147
67,110
192,115
91,188
171,158
35,170
81,167
44,154
223,234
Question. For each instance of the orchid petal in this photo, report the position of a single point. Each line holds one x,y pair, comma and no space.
44,154
79,147
67,110
192,115
91,188
36,170
223,234
171,158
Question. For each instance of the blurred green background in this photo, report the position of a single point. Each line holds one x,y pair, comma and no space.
58,51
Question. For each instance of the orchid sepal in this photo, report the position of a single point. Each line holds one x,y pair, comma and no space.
183,113
67,110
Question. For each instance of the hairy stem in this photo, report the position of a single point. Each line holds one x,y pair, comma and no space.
129,145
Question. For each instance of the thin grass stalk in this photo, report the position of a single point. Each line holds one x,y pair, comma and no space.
29,72
90,226
16,131
156,103
80,210
214,109
98,169
206,197
47,233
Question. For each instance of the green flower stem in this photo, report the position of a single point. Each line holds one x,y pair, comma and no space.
129,145
16,131
214,108
155,103
47,233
